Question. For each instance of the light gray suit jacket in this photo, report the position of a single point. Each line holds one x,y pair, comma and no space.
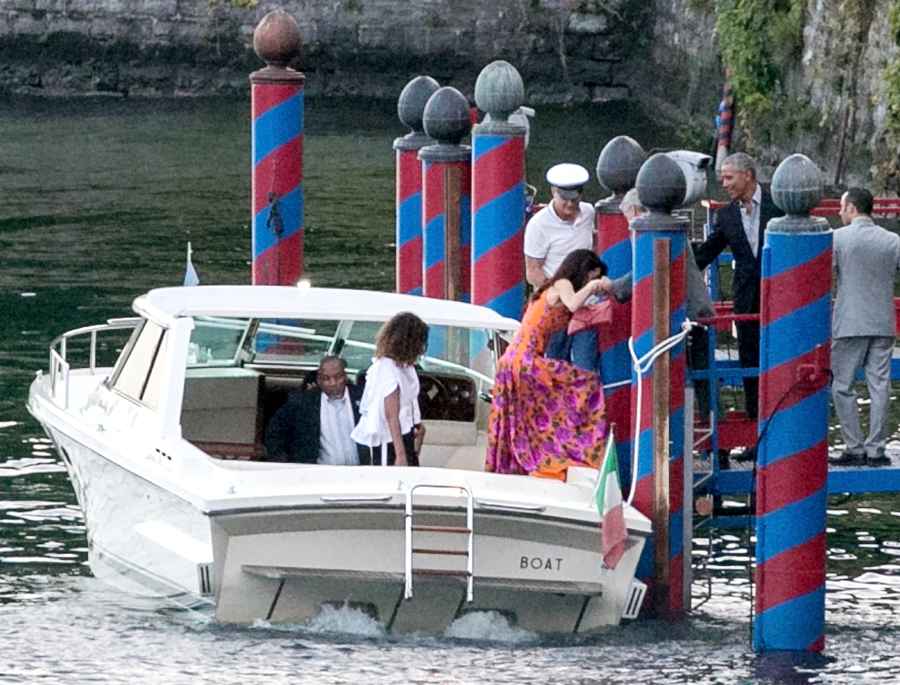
866,257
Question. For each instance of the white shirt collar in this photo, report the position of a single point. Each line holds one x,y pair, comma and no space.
342,398
573,222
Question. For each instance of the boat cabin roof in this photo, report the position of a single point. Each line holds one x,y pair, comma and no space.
266,301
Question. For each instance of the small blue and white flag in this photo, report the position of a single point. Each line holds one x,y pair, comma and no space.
190,273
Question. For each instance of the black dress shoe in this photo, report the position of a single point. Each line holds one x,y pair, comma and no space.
848,459
747,455
724,461
881,459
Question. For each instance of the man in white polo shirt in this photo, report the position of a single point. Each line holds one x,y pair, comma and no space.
564,225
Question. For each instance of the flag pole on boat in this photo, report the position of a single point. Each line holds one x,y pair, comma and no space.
190,273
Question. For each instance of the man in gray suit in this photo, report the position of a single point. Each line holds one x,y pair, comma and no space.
865,257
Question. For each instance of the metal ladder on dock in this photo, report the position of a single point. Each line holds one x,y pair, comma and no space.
411,529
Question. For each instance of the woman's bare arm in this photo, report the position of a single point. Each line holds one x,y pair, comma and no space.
573,300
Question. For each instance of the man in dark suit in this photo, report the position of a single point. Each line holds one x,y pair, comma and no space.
741,226
314,425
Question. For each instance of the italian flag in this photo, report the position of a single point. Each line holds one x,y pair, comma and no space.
609,504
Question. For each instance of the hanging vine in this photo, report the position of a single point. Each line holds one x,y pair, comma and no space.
892,85
758,40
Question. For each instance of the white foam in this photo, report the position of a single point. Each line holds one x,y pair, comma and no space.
344,619
331,619
488,625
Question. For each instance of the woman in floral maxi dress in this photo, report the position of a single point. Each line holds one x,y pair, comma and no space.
548,414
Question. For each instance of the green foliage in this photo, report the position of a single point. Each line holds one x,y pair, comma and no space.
243,4
892,79
894,19
759,39
892,87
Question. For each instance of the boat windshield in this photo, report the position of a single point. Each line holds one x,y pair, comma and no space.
301,343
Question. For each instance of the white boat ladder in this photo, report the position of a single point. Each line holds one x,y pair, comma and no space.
468,530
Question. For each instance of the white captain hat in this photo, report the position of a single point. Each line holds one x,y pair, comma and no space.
569,179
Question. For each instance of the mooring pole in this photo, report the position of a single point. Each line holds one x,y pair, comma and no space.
277,152
617,169
661,429
410,109
792,456
498,192
660,240
446,204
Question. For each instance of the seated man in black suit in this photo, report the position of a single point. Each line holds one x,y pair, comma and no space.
314,425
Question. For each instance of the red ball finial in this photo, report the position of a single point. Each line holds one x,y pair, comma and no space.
276,39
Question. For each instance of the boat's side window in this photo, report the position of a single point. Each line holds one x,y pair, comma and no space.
152,390
139,377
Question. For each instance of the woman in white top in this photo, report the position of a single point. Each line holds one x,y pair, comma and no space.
389,410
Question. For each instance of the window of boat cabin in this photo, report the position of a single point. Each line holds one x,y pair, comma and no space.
216,341
294,342
140,376
303,342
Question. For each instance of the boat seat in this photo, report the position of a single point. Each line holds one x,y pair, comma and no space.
454,445
220,412
232,450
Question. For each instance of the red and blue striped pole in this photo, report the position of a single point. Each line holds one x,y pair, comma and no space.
446,197
658,311
410,108
724,123
792,456
277,151
617,168
498,192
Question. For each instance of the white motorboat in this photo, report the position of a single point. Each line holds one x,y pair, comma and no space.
164,446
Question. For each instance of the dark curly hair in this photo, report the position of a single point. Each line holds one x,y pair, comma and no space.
402,338
575,269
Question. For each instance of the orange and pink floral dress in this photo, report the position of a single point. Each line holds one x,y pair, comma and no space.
546,414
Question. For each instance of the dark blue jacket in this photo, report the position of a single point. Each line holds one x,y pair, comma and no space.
294,431
728,231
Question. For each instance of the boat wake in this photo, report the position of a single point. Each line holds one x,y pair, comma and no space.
332,619
345,619
490,626
481,626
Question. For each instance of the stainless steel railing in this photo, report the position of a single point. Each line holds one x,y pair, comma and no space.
59,363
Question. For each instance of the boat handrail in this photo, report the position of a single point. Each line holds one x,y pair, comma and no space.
59,364
512,506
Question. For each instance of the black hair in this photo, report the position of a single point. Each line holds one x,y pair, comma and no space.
575,269
861,199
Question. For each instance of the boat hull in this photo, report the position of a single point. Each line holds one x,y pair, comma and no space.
141,538
544,575
282,557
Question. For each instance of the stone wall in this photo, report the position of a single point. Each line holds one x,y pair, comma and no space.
663,52
566,50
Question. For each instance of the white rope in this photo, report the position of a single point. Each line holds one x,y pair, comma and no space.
641,366
617,384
